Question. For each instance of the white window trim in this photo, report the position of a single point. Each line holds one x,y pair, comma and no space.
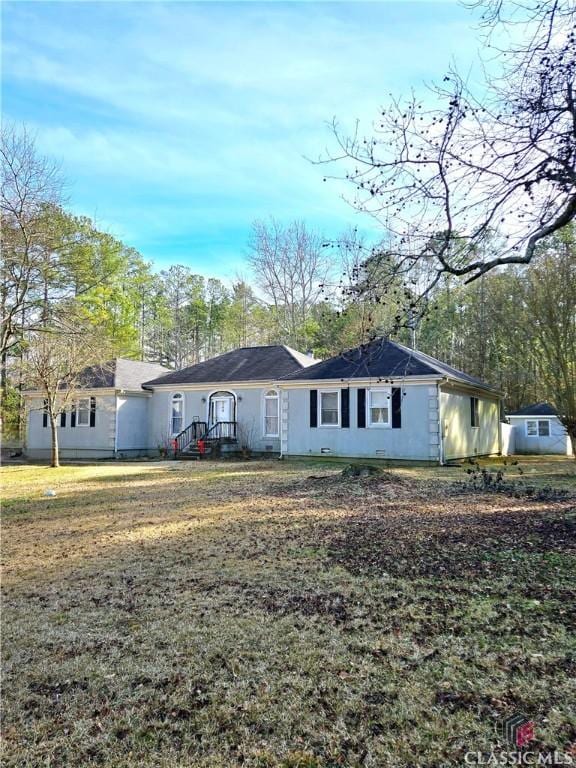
329,392
80,399
264,399
229,392
537,421
171,422
369,422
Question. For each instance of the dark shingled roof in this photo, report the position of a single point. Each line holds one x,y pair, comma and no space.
120,374
382,359
245,364
536,409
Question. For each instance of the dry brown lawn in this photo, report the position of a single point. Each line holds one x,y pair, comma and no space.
275,614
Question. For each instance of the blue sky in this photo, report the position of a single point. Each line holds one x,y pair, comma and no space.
178,124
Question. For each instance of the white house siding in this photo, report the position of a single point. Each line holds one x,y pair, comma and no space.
132,430
557,443
78,442
508,441
459,438
412,441
249,414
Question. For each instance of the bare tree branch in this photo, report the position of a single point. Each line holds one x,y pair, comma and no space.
474,166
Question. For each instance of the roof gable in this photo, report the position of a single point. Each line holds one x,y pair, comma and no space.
382,359
119,374
245,364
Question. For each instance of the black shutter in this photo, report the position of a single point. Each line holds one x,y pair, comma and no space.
345,405
313,407
396,407
45,414
73,415
361,408
63,419
92,411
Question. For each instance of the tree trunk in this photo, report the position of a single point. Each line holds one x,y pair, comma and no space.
572,435
55,458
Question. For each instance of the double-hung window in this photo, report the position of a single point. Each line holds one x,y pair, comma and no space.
329,408
177,413
538,428
271,413
83,414
379,410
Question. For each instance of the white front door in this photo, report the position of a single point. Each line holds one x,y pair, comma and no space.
221,409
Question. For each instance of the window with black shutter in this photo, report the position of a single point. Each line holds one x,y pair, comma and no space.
474,412
313,407
45,414
345,407
92,411
396,407
63,419
361,408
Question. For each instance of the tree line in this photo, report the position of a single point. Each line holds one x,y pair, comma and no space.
66,281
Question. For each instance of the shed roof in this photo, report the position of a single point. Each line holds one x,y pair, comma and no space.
536,409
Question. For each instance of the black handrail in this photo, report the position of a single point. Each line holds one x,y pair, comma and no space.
195,431
198,430
222,430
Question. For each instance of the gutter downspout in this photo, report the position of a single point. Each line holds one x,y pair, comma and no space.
440,427
116,424
281,419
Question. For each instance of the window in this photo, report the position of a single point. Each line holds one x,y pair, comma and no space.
83,415
474,412
271,414
177,414
330,409
538,428
544,428
379,408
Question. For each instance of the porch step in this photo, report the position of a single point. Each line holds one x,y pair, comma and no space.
191,453
188,456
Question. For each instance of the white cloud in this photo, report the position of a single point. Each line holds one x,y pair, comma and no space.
179,115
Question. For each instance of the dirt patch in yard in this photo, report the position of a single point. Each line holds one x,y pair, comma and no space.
283,602
464,539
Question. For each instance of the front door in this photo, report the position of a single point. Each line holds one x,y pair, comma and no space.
221,408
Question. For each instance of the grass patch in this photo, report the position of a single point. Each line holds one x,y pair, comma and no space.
276,614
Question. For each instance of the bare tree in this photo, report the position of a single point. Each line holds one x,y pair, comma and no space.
550,298
56,362
290,265
445,180
30,185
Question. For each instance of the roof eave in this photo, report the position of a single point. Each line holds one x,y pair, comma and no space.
472,385
212,384
419,379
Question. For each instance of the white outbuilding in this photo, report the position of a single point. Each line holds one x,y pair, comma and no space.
537,429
